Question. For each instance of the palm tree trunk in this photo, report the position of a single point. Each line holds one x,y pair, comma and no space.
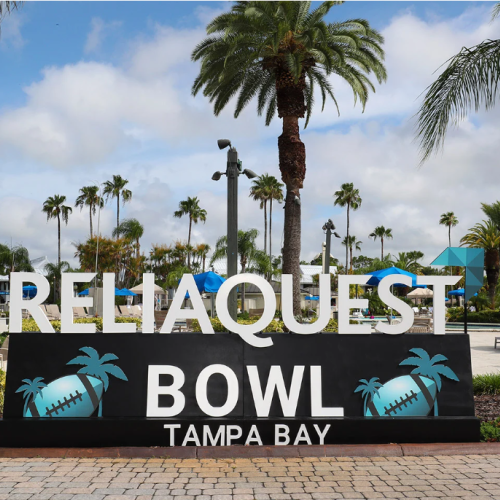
189,242
270,236
382,242
436,412
492,265
59,250
138,254
204,257
449,236
347,241
265,225
90,221
100,409
117,213
243,266
350,261
292,162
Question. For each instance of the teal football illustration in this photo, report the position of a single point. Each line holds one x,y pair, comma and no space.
71,396
405,396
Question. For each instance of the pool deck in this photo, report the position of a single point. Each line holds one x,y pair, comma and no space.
485,358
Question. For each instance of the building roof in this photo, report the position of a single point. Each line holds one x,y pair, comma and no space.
39,265
307,272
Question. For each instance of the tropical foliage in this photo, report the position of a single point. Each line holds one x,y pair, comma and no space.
449,219
133,230
89,197
382,233
115,188
14,259
279,53
350,243
30,390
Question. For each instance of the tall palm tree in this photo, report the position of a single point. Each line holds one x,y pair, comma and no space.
31,389
428,367
381,232
98,367
352,242
279,53
348,197
408,261
191,207
470,81
275,193
116,189
89,197
486,235
131,229
250,256
54,207
448,219
259,191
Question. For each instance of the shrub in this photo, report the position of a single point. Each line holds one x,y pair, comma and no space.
490,431
456,314
332,326
274,326
486,384
30,325
2,390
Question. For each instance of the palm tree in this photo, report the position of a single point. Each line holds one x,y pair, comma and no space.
408,261
486,235
116,189
427,367
31,389
279,52
94,366
348,197
352,243
54,272
14,259
448,219
260,192
469,81
381,232
54,207
191,207
250,256
203,250
275,193
89,197
131,229
368,389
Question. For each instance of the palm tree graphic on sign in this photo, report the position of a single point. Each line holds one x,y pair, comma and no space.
368,388
427,367
77,395
412,395
31,389
98,368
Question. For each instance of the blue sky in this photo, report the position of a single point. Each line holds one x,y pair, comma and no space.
91,89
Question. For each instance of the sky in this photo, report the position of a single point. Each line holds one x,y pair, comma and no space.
92,89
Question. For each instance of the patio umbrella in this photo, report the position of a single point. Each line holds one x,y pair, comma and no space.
312,297
378,276
420,293
139,289
85,292
29,291
125,292
208,282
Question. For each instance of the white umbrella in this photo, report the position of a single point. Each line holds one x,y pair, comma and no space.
139,289
420,293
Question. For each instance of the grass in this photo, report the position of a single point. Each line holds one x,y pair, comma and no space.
486,384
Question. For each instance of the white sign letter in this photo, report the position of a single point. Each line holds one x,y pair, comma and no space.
148,303
68,281
407,314
108,308
317,409
346,304
155,389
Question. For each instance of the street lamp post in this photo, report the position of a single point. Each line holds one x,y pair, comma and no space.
233,170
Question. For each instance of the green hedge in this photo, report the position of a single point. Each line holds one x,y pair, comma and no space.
30,325
456,315
490,431
486,384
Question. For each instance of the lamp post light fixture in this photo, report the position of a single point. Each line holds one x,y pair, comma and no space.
328,227
233,170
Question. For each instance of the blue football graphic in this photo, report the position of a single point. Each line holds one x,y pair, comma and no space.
71,396
405,396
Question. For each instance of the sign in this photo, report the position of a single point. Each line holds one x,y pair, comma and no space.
216,390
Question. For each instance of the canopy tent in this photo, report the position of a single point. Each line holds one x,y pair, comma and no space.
125,292
29,291
378,276
118,292
312,297
139,289
460,292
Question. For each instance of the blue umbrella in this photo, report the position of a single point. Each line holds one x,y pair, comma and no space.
85,292
378,276
29,291
312,297
208,282
126,292
460,292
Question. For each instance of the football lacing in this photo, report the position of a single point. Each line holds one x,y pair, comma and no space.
399,404
55,408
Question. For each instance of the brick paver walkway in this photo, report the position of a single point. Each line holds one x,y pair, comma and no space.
461,477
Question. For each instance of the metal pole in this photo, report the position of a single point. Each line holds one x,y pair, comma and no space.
465,318
327,249
232,227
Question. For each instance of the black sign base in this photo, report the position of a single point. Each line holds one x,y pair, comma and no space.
151,432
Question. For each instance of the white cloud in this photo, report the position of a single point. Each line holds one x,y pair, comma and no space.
11,36
98,33
89,120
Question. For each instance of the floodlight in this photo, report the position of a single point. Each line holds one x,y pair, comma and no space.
337,235
250,173
217,175
223,143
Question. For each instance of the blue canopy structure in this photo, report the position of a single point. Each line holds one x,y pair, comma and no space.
378,276
312,297
125,292
208,282
460,292
85,292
